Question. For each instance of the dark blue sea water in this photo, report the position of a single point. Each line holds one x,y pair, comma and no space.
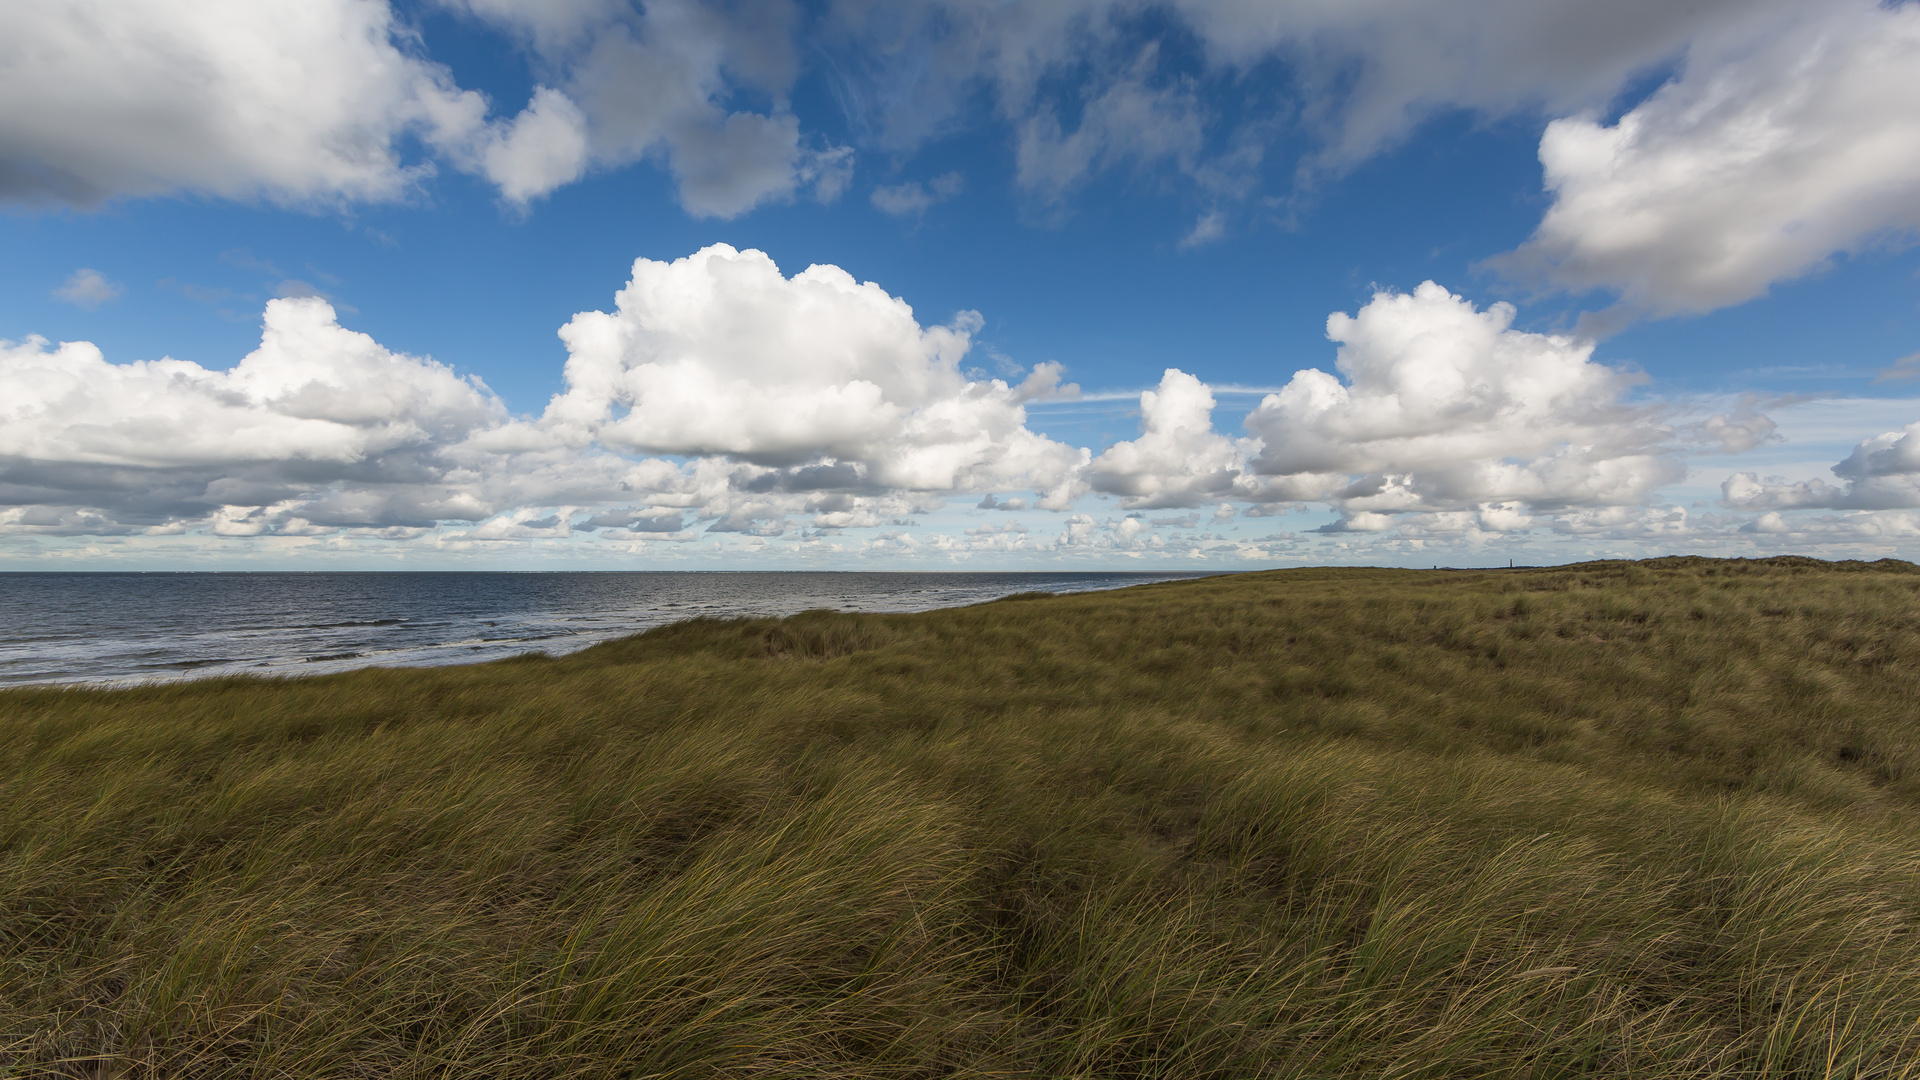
124,627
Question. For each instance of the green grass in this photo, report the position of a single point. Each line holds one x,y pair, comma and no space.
1655,819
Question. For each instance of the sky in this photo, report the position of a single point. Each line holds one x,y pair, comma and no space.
956,284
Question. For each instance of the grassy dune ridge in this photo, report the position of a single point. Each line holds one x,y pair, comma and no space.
1649,819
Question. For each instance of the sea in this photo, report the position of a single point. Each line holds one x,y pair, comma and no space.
116,628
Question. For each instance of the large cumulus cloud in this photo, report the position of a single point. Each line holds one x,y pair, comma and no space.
312,391
1769,154
718,389
294,100
1439,420
720,396
830,379
318,415
320,429
1448,408
1179,460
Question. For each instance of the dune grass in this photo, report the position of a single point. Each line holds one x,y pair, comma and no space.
1649,819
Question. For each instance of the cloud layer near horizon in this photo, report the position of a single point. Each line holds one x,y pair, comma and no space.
759,396
721,396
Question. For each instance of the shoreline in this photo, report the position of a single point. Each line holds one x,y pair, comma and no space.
465,642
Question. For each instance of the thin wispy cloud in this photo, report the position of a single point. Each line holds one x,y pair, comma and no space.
88,289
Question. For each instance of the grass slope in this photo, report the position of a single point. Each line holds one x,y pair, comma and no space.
1622,819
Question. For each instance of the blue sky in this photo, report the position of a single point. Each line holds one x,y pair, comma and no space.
1671,247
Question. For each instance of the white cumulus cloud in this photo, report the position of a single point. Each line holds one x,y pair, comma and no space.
312,391
539,150
718,394
721,397
1446,407
1882,473
291,100
318,416
1178,460
1764,158
828,378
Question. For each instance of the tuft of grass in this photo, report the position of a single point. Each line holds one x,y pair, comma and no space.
1649,819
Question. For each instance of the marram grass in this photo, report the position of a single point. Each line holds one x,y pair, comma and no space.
1654,819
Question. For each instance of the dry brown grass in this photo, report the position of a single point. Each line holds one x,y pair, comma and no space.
1625,819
